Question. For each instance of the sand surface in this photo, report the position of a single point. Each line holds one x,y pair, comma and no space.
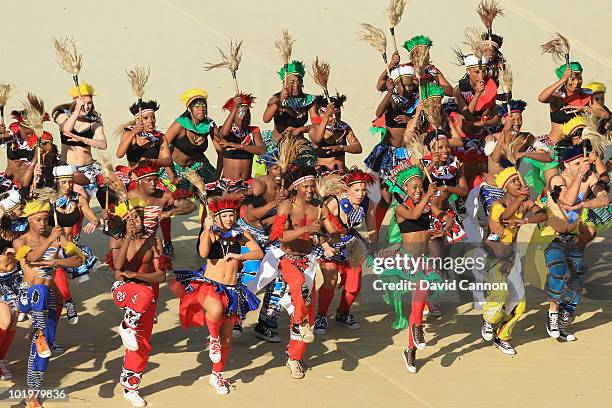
358,369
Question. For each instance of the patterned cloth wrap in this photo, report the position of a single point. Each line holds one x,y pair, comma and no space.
354,216
203,168
86,267
237,299
456,234
10,283
260,236
93,172
385,157
226,186
488,195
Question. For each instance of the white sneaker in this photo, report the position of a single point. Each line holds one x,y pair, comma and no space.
219,383
214,350
128,337
71,312
135,399
5,373
487,331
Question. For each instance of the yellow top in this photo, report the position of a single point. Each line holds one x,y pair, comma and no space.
509,233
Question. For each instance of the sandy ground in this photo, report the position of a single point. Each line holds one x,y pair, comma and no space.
361,368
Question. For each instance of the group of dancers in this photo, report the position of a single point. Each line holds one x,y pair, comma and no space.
280,204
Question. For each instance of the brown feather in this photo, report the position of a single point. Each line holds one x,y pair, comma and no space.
285,46
67,55
420,60
474,40
290,148
138,78
194,178
5,93
506,79
559,46
374,36
231,60
488,10
320,73
433,111
112,181
46,194
34,114
330,184
394,12
598,141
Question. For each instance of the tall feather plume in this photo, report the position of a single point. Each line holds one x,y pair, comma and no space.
112,181
559,47
120,129
34,114
320,74
488,10
433,111
330,184
290,148
459,55
5,93
194,178
598,141
474,40
356,252
374,36
394,12
512,148
231,60
67,55
46,194
506,79
285,46
420,60
138,78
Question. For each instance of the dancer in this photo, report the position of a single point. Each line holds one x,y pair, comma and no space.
599,95
353,208
261,203
297,221
475,97
139,264
504,307
239,140
413,218
21,144
290,107
188,135
574,189
567,98
68,208
81,129
37,251
331,137
143,140
398,104
214,295
10,278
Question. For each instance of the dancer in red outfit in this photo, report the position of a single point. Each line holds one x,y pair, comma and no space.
139,265
295,225
214,295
